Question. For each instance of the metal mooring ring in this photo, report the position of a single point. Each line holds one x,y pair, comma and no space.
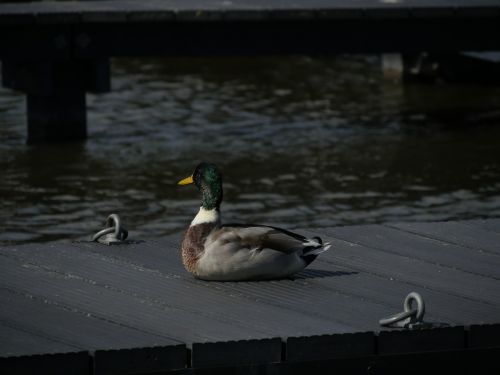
414,296
409,315
396,318
113,232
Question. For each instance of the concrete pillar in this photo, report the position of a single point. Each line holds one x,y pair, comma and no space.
56,106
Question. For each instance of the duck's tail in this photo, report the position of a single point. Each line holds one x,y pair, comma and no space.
314,247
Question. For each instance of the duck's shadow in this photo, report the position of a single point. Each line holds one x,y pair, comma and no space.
313,273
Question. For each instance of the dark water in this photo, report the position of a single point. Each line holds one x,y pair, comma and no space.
301,142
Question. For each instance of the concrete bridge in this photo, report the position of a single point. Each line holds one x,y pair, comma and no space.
55,52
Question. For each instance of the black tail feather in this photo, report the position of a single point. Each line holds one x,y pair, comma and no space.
309,258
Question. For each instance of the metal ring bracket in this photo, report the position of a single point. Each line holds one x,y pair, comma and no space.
114,233
414,296
409,316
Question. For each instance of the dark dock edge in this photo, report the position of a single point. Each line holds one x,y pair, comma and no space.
470,349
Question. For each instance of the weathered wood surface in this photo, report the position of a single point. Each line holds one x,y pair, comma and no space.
79,297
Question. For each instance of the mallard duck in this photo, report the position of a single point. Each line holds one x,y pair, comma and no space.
232,252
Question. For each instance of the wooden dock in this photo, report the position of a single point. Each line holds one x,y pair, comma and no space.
87,308
55,52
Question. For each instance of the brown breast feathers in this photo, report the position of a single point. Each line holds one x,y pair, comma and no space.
192,244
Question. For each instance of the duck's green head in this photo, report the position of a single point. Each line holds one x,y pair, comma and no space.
208,180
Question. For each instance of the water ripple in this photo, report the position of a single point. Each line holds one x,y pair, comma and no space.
302,142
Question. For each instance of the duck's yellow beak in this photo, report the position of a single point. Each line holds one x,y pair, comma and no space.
186,181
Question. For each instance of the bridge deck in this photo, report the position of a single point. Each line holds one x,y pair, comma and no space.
90,29
57,51
212,10
134,308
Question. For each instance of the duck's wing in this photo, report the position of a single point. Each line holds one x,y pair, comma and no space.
258,237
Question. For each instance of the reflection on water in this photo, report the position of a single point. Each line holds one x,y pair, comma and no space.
302,143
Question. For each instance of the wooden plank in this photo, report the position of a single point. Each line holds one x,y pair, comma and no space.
426,249
187,302
456,233
73,328
340,284
130,311
413,271
16,342
329,274
302,295
277,296
333,293
333,280
140,295
390,291
165,258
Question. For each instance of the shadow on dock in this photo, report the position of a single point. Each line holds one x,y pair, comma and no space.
313,273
